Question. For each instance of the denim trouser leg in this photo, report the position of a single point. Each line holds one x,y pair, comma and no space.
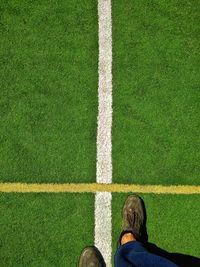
133,254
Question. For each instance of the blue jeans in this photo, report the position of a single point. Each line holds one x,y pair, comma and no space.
133,254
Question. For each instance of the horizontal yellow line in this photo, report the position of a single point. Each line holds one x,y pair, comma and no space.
94,187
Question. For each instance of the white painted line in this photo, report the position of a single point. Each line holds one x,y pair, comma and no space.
104,145
103,200
103,225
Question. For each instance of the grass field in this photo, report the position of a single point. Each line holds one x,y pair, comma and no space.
48,122
48,97
45,229
156,92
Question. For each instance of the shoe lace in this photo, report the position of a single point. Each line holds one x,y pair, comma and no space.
134,221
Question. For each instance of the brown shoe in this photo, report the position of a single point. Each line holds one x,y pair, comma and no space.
134,218
91,257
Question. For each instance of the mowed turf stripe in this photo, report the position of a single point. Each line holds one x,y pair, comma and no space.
95,187
103,200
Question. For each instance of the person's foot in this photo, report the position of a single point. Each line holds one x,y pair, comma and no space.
134,218
91,257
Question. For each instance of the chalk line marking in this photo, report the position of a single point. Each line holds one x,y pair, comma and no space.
103,200
103,224
104,120
94,187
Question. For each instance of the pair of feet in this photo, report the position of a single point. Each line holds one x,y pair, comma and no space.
133,228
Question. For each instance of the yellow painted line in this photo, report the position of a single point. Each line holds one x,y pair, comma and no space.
95,187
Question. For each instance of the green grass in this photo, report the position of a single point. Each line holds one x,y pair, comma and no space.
48,96
45,229
155,92
172,221
48,111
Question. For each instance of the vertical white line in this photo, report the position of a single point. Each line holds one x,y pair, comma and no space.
104,145
103,225
103,200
